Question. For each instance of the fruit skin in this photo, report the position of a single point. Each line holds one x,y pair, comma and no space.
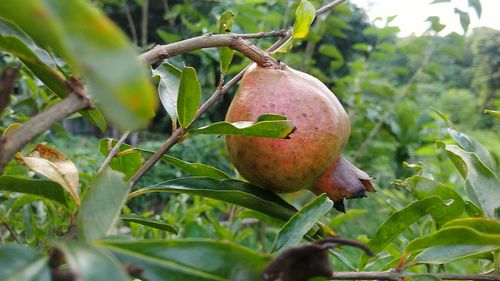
301,161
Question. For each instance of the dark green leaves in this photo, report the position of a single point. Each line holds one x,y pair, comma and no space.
229,190
293,231
168,88
268,125
190,259
94,47
476,4
400,221
189,97
149,222
42,188
482,184
304,16
22,263
102,205
90,263
225,53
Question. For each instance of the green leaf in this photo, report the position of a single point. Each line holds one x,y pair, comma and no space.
464,19
94,47
233,191
42,188
446,254
345,217
149,222
440,1
246,214
454,236
361,47
22,263
189,96
127,163
52,78
304,16
287,46
267,126
398,222
102,205
436,25
168,88
493,112
469,144
479,224
333,52
423,187
225,53
190,259
90,263
298,226
423,277
482,184
195,169
476,4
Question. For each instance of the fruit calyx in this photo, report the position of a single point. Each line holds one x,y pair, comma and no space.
343,180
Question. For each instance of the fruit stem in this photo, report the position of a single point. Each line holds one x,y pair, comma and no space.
257,55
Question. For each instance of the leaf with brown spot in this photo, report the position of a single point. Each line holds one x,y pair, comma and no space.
56,166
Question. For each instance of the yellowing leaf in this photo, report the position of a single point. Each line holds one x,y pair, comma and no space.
11,128
304,16
54,165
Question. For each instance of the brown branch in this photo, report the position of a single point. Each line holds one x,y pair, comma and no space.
400,276
113,152
144,23
234,41
41,122
7,83
160,52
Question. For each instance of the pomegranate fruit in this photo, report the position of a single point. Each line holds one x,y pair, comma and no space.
311,158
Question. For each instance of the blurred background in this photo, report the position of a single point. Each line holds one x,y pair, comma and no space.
392,64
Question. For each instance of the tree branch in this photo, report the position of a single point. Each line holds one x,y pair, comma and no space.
113,152
156,54
7,82
400,276
234,41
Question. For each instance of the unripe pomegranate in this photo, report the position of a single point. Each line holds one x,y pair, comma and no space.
311,158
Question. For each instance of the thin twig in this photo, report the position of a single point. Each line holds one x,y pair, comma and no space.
12,233
154,55
402,275
131,24
113,152
144,23
7,83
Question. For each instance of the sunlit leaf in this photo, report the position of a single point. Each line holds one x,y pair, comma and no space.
268,125
54,165
400,221
94,47
293,230
189,96
233,191
304,16
482,184
479,224
91,263
23,263
41,188
149,222
493,112
454,236
189,259
423,187
287,46
102,205
168,88
225,53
